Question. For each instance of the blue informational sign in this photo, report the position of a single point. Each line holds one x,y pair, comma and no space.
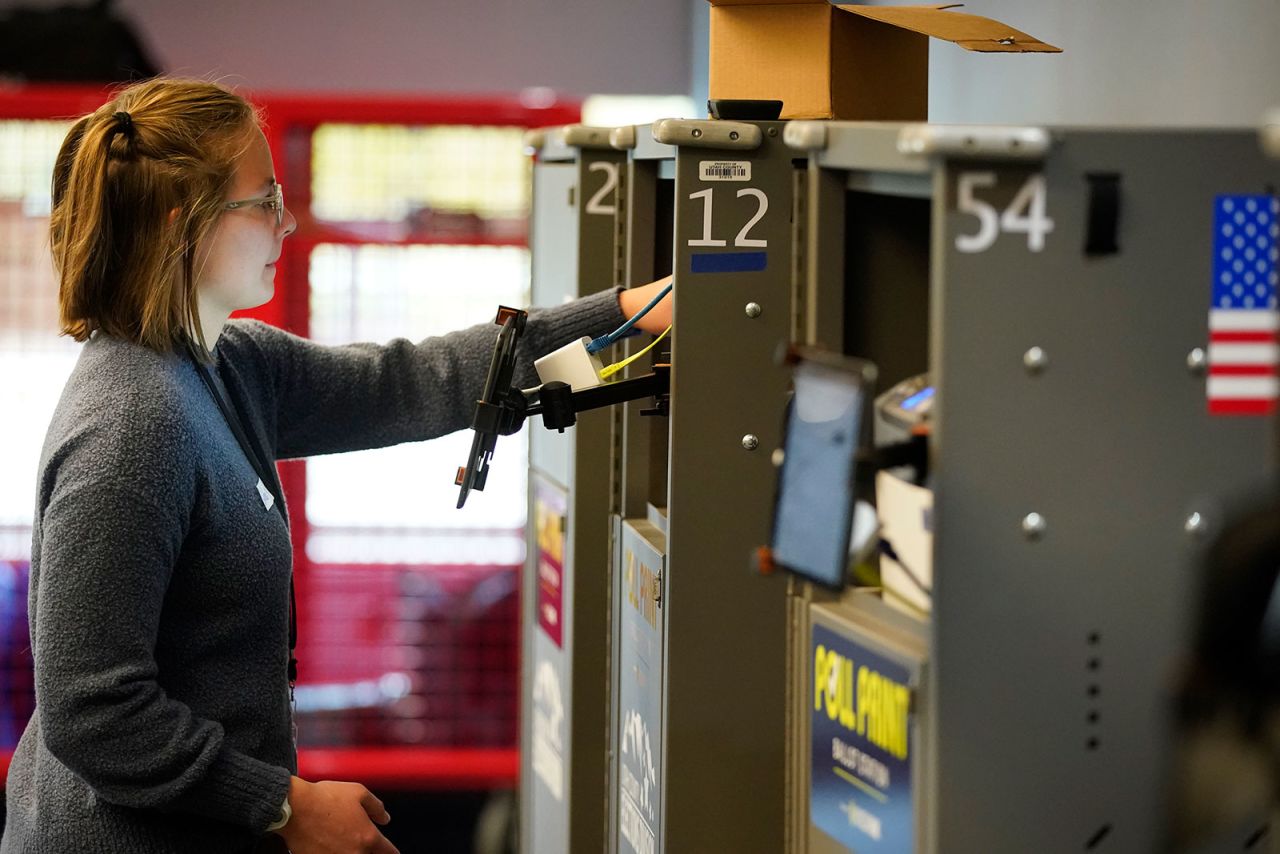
640,698
860,778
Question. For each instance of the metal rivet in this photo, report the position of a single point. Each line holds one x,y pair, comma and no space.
750,442
1034,525
1036,360
1197,361
697,132
733,134
753,310
1195,524
773,131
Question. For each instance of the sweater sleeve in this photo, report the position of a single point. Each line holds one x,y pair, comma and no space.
108,545
333,399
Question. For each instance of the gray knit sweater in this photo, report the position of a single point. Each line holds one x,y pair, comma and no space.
160,580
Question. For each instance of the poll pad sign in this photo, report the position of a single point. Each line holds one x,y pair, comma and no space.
860,747
638,592
549,512
548,734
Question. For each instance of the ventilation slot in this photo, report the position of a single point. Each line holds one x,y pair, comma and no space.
1093,690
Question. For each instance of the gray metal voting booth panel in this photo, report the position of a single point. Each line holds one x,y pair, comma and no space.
1067,481
700,644
564,696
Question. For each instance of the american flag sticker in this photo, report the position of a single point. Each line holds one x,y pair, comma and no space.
1244,343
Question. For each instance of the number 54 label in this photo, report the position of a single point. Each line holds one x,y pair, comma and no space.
1026,214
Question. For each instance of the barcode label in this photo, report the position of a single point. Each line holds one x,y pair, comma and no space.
725,170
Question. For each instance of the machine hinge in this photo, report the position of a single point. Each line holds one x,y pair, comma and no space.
995,142
586,136
707,133
623,138
1269,135
533,140
805,135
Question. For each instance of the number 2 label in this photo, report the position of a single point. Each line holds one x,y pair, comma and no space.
1026,214
597,203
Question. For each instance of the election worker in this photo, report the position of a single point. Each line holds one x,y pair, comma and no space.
161,571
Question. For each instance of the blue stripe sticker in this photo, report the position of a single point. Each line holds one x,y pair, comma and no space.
728,262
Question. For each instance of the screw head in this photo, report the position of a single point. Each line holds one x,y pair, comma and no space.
1195,524
1033,526
773,131
697,132
753,310
1197,361
733,134
1035,360
750,441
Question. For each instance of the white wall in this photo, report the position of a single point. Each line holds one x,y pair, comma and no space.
1126,62
1172,62
478,46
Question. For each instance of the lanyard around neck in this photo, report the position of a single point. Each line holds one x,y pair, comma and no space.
257,459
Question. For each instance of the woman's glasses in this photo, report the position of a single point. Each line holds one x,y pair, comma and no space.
273,202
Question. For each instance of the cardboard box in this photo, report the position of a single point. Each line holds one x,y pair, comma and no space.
822,61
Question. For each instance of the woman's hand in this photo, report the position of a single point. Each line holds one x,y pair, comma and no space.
335,818
634,299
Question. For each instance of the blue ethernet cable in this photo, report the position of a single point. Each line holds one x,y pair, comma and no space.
608,340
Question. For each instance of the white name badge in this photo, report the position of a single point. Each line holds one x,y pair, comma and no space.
265,494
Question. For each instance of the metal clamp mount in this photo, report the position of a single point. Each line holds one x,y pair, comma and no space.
502,409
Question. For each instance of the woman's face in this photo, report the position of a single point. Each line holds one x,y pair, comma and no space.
236,266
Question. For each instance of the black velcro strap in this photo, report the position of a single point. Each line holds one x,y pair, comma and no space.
1103,224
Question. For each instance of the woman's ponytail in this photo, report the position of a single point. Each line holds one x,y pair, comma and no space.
137,185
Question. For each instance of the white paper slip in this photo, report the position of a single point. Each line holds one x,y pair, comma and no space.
906,521
268,500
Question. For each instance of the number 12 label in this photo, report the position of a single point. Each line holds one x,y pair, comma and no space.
743,237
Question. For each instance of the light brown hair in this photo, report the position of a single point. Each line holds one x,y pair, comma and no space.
138,184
